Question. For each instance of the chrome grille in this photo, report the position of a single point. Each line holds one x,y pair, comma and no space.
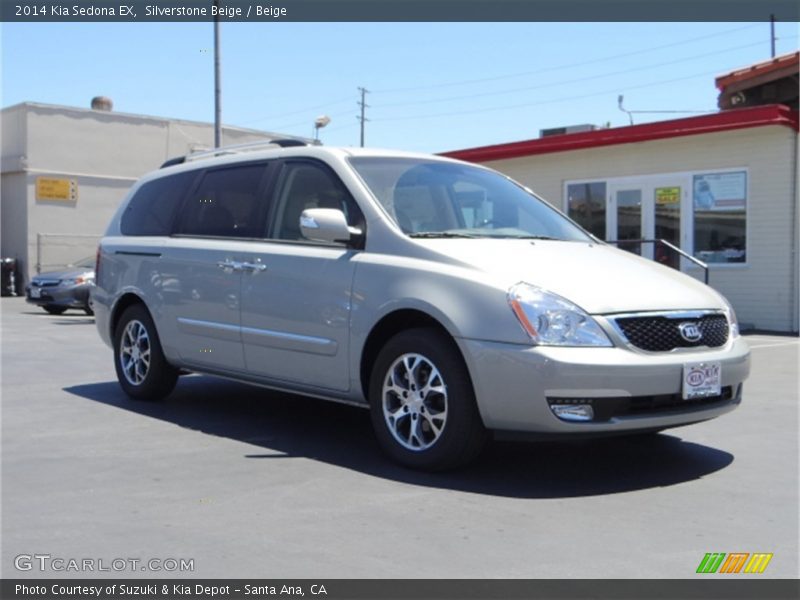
45,282
662,333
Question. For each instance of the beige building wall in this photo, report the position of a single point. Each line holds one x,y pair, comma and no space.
13,215
103,152
13,200
12,127
764,291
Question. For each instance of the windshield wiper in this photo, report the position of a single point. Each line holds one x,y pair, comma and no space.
530,237
442,234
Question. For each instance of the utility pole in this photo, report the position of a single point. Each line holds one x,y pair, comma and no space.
772,33
363,106
217,84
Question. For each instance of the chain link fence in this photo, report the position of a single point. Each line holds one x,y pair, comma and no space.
57,250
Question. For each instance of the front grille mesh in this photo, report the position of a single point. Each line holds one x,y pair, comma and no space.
662,334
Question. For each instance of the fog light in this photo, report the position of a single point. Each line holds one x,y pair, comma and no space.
573,412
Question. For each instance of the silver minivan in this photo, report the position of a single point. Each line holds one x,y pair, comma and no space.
443,296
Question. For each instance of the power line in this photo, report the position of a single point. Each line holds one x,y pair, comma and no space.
563,66
298,111
587,95
306,121
346,126
361,112
551,101
566,81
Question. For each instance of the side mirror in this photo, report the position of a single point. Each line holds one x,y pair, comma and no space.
326,225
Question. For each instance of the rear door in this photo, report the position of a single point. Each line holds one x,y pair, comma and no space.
296,296
201,276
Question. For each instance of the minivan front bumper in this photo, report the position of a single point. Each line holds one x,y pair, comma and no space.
630,391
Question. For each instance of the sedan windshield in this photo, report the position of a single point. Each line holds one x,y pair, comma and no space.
87,263
429,198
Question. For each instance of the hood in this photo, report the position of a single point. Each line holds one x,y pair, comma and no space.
66,274
599,278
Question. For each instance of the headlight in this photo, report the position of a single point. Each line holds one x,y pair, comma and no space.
78,280
732,320
551,320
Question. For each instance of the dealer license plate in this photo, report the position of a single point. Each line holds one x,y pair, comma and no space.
701,380
36,292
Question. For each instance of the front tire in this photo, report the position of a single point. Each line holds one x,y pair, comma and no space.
142,370
54,310
422,402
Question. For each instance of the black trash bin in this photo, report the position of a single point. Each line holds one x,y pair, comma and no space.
10,281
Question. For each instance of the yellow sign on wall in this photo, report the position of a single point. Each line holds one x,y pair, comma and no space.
668,195
61,190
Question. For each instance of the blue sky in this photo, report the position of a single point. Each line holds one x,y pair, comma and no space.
434,86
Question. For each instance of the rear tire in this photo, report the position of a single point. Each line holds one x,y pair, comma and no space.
142,370
422,402
54,310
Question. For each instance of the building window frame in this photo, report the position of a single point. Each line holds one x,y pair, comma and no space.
685,179
587,181
747,228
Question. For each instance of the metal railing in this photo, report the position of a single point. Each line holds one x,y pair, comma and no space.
672,247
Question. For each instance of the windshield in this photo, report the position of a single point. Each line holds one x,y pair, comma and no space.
87,262
429,198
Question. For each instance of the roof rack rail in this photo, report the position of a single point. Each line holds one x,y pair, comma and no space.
248,147
235,149
173,161
288,142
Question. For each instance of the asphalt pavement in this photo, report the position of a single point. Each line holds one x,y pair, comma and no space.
245,482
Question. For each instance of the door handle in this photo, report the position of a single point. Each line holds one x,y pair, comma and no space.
229,266
253,267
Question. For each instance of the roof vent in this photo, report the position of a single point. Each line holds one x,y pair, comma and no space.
565,130
102,103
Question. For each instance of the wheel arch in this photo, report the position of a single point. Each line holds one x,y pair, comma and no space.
126,300
391,324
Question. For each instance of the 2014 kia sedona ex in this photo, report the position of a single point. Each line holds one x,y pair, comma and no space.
445,297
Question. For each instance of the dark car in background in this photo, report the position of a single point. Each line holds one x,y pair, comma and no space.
56,291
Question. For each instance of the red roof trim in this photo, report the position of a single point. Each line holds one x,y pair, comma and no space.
787,61
757,116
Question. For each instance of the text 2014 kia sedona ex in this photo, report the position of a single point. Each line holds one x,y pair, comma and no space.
448,299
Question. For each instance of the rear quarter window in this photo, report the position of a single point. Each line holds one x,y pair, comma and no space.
152,209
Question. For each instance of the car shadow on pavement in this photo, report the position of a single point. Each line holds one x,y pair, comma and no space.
76,321
66,318
283,426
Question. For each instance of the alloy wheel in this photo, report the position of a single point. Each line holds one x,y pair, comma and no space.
134,352
414,401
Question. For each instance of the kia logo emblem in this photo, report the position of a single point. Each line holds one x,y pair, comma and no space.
695,378
690,332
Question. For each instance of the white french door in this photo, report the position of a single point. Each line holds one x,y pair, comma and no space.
647,209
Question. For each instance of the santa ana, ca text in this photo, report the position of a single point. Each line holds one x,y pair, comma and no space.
172,589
